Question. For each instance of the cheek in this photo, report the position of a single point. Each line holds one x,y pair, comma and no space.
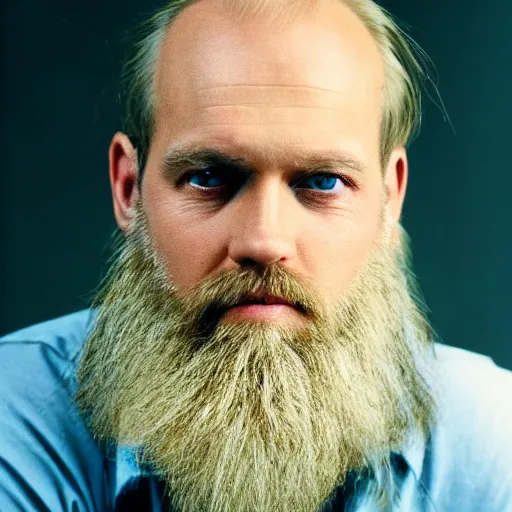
335,251
188,248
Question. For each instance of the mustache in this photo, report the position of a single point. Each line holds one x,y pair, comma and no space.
207,302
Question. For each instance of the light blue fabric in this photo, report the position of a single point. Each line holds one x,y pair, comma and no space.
50,462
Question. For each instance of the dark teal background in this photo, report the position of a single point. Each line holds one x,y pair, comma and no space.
60,63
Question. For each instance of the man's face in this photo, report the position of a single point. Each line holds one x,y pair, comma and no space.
281,102
263,175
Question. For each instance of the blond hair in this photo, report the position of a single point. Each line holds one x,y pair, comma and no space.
404,73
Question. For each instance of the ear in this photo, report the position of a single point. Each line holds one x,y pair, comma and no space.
123,173
395,180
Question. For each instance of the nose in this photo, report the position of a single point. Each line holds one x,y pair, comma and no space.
263,229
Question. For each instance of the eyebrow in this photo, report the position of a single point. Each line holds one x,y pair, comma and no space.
179,160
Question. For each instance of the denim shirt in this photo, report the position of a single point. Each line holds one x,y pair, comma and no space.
49,461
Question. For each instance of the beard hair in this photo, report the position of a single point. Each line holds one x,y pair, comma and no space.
249,416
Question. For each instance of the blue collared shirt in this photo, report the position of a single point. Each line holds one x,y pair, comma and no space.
49,460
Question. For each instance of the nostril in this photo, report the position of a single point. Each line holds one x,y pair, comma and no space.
249,262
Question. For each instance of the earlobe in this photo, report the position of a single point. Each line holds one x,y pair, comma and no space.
123,172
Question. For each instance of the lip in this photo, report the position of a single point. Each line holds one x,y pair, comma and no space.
261,306
265,312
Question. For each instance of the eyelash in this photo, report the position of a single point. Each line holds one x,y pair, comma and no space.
213,191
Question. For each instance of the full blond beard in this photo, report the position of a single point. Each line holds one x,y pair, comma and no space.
246,416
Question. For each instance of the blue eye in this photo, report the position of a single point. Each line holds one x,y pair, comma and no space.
206,179
211,179
323,182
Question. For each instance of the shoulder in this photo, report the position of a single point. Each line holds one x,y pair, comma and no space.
65,334
473,389
469,455
48,458
36,360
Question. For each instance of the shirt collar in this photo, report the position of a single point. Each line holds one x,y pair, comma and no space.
128,468
413,453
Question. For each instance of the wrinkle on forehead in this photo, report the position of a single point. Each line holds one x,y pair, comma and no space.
265,104
269,105
263,94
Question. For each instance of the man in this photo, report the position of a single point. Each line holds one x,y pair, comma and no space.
259,343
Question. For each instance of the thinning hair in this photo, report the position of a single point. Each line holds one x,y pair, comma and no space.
404,72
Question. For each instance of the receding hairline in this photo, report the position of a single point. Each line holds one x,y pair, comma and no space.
284,11
278,13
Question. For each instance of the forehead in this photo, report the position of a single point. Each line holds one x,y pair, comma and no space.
220,75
